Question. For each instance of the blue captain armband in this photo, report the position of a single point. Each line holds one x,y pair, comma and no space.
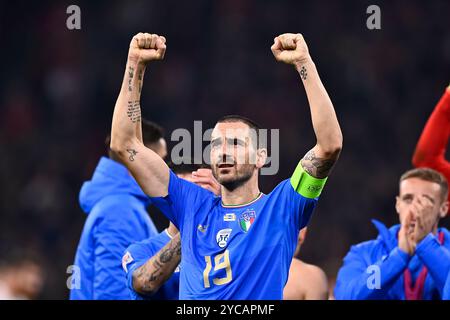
305,184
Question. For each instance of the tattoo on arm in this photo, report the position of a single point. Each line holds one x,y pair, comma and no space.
318,167
140,77
156,269
303,73
130,76
132,153
134,111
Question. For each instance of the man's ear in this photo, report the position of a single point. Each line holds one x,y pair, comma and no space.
397,204
261,157
443,210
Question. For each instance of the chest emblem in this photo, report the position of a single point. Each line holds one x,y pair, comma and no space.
246,219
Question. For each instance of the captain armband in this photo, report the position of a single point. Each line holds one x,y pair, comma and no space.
305,184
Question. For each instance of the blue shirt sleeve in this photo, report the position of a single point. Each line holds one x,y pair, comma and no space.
111,238
354,278
297,208
436,258
184,198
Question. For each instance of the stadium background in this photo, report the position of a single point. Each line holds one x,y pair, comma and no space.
58,88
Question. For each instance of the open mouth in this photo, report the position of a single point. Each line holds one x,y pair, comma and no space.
225,165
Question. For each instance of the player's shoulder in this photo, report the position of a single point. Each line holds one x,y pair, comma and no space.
446,233
282,187
117,207
367,251
315,272
307,278
309,271
189,188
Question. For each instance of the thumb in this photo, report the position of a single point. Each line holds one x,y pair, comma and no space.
276,47
161,50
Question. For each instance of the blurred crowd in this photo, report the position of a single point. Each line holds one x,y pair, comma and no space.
58,88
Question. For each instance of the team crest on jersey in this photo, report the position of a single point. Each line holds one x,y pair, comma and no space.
222,237
246,219
126,260
229,217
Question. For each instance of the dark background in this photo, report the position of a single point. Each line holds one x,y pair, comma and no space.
58,88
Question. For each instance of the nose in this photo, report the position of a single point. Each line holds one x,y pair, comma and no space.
225,153
224,147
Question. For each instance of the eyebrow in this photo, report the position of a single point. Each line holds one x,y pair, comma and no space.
228,140
237,139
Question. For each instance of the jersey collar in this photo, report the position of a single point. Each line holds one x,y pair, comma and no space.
243,204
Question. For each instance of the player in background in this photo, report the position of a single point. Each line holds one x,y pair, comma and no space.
432,145
306,281
21,276
117,216
409,261
239,245
152,266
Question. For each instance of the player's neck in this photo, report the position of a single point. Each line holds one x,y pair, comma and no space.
434,231
243,194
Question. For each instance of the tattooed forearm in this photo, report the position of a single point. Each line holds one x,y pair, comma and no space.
130,78
140,77
134,111
318,167
303,73
151,276
156,273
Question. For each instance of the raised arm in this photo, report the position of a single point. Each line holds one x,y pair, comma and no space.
431,148
292,49
147,167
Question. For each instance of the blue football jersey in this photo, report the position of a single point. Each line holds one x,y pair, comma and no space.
235,252
137,255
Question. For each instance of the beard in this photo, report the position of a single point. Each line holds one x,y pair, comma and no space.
236,176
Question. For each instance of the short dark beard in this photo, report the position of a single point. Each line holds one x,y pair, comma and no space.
238,182
233,185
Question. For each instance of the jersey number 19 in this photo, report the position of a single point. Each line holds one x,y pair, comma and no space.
221,261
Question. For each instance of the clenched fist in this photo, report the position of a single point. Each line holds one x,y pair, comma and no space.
290,48
145,47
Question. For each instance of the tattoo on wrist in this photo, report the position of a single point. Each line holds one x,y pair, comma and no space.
132,153
317,167
303,73
134,111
